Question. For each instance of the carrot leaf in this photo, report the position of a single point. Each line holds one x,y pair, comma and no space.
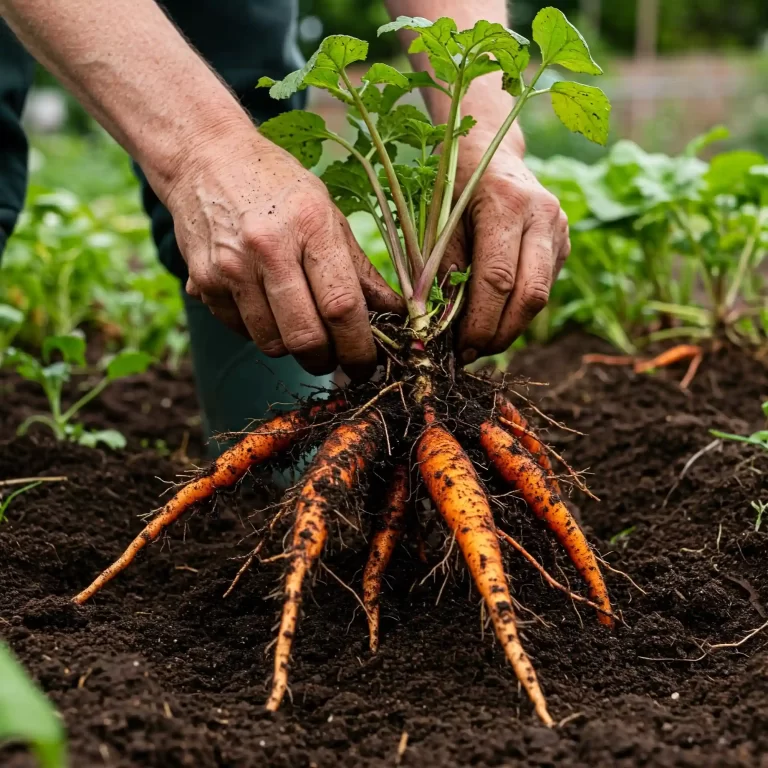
561,43
582,109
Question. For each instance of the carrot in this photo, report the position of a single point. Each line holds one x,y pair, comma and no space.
525,435
264,442
458,495
382,547
346,453
519,468
669,357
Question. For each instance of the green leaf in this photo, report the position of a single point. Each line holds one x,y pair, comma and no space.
109,437
5,503
456,277
509,49
27,716
582,109
298,132
700,143
729,172
24,364
397,125
348,185
322,70
436,294
764,407
392,93
484,36
10,316
71,347
434,38
561,43
128,363
384,74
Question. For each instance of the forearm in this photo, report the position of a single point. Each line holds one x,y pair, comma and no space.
486,101
135,74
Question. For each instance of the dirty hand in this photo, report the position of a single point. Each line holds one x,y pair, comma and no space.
516,236
272,257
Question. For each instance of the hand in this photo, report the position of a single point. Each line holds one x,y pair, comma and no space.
518,237
272,257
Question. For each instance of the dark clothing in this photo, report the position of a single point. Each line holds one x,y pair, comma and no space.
242,40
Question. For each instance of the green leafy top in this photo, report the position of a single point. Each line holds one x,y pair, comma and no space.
561,43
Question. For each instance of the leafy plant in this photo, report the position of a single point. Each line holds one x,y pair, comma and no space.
52,376
27,716
412,204
761,508
663,247
10,322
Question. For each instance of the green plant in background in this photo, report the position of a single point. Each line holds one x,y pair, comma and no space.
10,322
6,502
27,717
52,376
412,205
663,247
759,438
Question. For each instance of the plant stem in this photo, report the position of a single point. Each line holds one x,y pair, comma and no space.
421,290
453,164
41,419
436,206
409,233
453,309
744,260
392,237
84,400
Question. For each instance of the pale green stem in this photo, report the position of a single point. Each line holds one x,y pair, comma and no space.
40,419
421,290
381,336
745,260
450,184
84,400
409,233
435,207
452,312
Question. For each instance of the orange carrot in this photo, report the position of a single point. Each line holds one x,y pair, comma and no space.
333,473
273,437
458,495
526,437
382,547
519,468
669,357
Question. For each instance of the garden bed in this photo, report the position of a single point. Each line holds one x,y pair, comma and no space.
159,670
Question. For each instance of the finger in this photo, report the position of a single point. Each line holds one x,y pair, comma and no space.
330,270
534,281
379,297
293,306
497,236
258,319
562,244
225,310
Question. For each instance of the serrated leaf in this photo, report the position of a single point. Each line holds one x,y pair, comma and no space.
404,22
322,70
582,109
509,49
466,124
561,43
298,132
128,363
384,74
512,84
485,32
392,93
434,38
348,185
394,125
436,294
71,347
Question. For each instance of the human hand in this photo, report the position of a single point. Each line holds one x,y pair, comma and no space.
272,257
516,236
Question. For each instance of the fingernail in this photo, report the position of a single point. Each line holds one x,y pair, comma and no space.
469,356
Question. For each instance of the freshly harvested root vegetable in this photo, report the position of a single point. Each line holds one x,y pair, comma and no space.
266,441
456,491
516,465
383,545
527,438
333,474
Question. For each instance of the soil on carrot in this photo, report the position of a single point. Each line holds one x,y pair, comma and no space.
160,670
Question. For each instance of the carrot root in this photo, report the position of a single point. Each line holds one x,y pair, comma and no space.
383,546
520,469
457,493
669,357
273,437
335,469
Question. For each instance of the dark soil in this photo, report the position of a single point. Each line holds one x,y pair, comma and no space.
159,670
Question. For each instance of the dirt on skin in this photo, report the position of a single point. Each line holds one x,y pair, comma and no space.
159,670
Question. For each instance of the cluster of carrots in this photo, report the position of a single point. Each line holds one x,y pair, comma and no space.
452,483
